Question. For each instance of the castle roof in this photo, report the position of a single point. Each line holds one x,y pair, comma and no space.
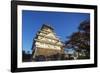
48,26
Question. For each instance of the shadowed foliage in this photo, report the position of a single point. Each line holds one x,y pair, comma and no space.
80,40
26,57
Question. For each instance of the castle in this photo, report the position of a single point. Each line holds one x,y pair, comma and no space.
46,45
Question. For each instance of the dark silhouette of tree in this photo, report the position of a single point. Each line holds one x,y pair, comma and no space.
80,40
26,57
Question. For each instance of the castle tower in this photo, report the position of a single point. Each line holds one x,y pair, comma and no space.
46,43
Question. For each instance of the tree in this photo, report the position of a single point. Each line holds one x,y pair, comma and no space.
26,57
80,40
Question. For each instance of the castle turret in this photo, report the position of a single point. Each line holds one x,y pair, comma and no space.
46,43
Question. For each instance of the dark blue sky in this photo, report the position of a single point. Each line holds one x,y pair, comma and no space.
64,24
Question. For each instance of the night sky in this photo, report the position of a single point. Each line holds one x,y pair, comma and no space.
64,24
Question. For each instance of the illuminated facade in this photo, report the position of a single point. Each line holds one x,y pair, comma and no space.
46,43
